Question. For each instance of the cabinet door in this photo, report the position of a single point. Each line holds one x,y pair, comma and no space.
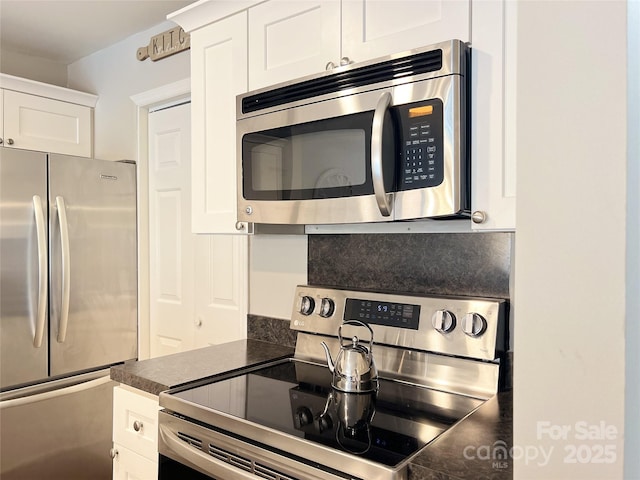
291,39
37,123
218,74
493,128
128,465
373,28
1,116
135,421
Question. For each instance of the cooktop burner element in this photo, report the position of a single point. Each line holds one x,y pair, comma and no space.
286,418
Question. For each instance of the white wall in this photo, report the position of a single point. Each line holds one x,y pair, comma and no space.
114,74
33,68
277,263
632,411
571,239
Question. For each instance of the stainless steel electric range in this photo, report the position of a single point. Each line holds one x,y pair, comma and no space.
437,358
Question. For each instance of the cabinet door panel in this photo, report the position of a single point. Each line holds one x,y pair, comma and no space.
373,28
493,127
218,73
1,116
37,123
128,465
135,422
291,39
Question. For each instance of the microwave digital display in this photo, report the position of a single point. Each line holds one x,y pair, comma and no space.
420,111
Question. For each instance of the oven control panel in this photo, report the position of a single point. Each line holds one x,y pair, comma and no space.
421,128
463,326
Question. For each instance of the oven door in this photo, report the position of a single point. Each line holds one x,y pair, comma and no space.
363,157
189,451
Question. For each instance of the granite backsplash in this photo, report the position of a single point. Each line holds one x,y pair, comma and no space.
469,264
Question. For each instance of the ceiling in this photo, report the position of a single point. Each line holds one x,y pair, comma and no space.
64,31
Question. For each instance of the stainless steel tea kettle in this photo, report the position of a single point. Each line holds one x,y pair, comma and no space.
355,412
354,370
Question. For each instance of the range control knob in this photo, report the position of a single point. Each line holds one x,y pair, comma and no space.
474,324
327,307
324,423
443,321
307,305
303,417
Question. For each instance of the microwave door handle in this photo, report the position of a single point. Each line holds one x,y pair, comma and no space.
383,198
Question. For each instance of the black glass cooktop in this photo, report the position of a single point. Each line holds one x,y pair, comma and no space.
296,398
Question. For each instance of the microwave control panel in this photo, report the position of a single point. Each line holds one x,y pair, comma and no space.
421,134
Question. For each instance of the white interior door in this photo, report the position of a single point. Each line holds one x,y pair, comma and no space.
198,286
171,244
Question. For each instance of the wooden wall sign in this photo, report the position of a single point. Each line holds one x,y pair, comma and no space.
165,44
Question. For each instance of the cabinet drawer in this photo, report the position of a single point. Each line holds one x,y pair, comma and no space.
135,422
128,465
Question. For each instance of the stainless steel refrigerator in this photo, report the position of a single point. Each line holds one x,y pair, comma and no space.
68,309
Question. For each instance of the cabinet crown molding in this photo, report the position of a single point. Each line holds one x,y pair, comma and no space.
24,85
204,12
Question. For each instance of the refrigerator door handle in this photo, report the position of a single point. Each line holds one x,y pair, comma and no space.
66,269
56,393
43,262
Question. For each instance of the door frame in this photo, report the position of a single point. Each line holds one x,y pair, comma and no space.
160,97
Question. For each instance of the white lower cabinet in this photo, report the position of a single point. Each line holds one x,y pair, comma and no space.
128,465
135,434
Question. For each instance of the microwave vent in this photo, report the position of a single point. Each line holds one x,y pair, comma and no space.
393,69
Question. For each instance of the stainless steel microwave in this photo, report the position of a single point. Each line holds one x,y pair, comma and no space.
371,142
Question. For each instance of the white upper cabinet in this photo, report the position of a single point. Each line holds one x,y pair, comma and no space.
288,40
292,39
36,116
493,126
281,40
371,28
218,74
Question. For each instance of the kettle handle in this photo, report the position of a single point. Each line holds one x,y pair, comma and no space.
360,324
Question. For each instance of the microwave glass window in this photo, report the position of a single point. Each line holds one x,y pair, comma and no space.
324,159
317,161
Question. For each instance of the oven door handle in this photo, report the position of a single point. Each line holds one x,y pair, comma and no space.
206,463
384,199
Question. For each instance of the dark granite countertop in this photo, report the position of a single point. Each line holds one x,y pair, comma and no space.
158,374
469,450
476,448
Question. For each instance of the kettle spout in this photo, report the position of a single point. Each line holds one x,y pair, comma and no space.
330,363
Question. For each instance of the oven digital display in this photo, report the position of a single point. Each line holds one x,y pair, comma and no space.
400,315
